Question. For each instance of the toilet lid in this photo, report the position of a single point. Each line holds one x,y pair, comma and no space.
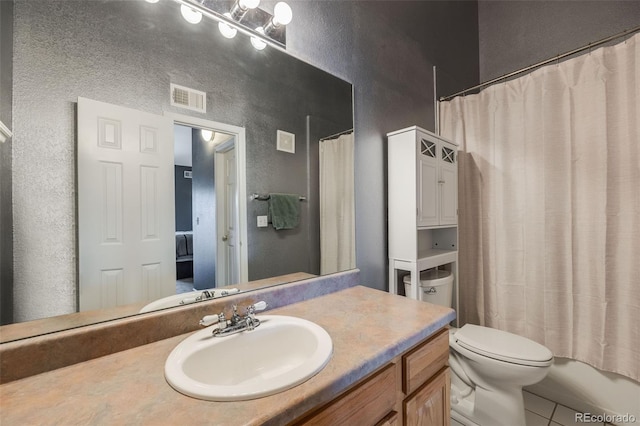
502,345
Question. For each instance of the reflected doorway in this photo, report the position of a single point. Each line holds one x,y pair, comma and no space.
206,205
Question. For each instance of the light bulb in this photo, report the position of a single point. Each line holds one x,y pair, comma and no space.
282,14
190,15
207,135
249,4
256,42
225,29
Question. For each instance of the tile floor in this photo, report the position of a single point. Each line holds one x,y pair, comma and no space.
543,412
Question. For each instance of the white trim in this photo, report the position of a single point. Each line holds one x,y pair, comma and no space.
5,133
241,170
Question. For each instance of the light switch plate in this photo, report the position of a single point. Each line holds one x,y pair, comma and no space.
262,222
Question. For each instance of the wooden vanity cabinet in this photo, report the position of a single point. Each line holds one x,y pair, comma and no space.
413,389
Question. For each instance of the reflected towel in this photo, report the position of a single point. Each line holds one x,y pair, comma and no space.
181,246
284,210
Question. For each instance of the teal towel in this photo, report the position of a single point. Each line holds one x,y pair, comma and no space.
284,210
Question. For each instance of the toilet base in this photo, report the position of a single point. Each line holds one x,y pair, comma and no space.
462,419
482,407
462,402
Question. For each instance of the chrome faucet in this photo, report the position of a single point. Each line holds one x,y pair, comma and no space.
209,294
236,323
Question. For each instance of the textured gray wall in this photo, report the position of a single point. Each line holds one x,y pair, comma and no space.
204,212
6,219
183,199
62,48
516,34
387,49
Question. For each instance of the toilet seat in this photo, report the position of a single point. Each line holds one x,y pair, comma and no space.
502,346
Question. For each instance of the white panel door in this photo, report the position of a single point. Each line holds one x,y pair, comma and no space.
125,206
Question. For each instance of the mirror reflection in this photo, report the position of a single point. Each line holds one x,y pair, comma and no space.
290,123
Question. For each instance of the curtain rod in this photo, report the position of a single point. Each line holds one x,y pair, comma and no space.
545,62
345,132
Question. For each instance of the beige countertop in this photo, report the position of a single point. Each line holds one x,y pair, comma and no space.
368,327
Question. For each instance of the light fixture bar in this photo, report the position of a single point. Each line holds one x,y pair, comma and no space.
219,17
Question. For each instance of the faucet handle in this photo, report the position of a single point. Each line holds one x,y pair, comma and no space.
210,320
258,306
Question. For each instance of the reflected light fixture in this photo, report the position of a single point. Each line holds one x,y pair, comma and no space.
225,29
257,43
190,15
241,7
207,135
282,15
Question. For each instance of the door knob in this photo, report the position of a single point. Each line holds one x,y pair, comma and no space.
225,237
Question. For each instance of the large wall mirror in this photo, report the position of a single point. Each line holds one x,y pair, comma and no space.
289,120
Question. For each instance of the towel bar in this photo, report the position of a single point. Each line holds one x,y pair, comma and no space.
265,197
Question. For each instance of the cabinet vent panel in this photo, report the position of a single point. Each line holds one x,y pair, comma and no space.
448,155
427,148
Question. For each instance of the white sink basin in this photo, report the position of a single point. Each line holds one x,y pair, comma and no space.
279,354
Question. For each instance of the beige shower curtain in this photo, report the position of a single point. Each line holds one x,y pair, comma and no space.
550,206
337,209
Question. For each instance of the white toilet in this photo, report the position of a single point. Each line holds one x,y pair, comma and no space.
489,367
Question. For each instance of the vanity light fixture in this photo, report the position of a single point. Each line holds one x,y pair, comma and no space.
257,43
245,16
190,15
225,29
282,15
152,1
241,7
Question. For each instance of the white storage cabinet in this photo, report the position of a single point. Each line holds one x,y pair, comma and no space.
423,205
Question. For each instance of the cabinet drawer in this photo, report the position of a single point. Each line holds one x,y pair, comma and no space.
422,362
364,405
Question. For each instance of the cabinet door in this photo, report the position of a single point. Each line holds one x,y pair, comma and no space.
448,186
430,404
427,183
365,404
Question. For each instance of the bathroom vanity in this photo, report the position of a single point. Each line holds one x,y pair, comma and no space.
414,387
389,366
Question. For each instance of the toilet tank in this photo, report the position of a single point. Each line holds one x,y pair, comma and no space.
436,286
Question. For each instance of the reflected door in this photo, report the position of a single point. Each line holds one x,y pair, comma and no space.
227,209
125,206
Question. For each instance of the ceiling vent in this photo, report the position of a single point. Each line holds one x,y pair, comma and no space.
192,99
